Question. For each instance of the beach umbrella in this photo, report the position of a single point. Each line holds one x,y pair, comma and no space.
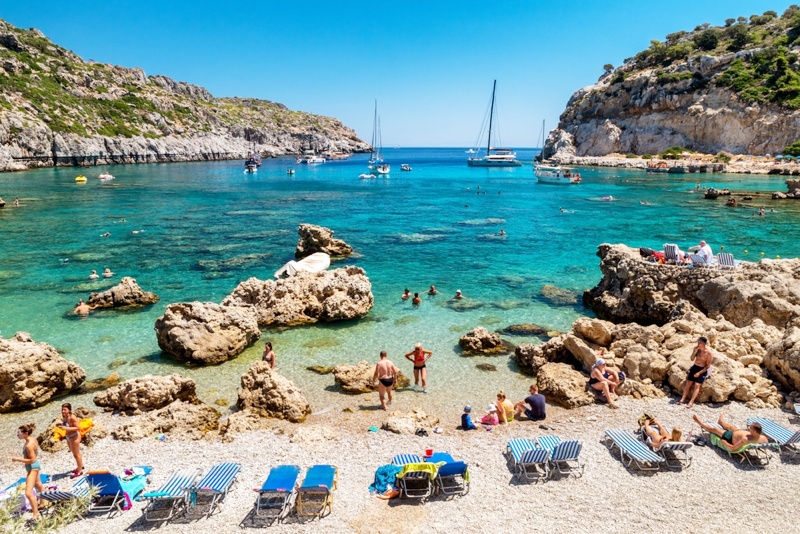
778,157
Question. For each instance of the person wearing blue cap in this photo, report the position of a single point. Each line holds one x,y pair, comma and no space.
466,419
604,381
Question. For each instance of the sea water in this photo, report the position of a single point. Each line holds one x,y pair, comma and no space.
193,231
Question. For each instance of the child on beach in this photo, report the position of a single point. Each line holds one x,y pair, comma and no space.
466,419
491,416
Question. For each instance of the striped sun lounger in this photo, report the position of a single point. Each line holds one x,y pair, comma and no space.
79,490
787,441
564,455
633,452
275,495
756,454
167,501
530,460
214,486
675,453
403,459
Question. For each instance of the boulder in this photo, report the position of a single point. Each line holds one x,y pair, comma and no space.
241,422
558,296
206,333
531,357
32,373
126,293
269,394
594,330
583,352
783,357
481,341
320,239
337,295
409,422
147,393
562,384
767,296
358,378
48,443
181,420
639,390
641,364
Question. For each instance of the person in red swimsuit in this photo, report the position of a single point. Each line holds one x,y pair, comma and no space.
420,356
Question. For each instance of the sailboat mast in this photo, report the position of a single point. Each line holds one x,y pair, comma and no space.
491,119
374,128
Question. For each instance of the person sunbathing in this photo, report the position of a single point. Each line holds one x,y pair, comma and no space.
658,435
731,437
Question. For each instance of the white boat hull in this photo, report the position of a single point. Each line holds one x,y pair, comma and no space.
556,175
482,162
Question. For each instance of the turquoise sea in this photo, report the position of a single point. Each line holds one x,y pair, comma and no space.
192,231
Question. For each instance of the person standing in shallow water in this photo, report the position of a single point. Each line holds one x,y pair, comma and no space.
420,356
386,376
30,457
416,301
269,356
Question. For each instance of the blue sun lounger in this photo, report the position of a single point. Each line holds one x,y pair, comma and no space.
214,486
564,455
79,490
632,451
315,494
116,493
787,441
275,496
44,479
452,478
530,460
167,501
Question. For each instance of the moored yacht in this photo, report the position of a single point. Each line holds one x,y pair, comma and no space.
556,174
495,157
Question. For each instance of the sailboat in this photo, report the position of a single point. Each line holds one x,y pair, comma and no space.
495,157
553,174
376,163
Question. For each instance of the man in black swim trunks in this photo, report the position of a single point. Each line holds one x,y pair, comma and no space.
698,372
731,437
386,376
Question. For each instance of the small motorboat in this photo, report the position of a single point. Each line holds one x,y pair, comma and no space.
405,167
366,176
81,179
106,177
251,167
289,171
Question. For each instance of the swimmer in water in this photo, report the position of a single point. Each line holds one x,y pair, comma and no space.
107,234
107,273
502,232
94,275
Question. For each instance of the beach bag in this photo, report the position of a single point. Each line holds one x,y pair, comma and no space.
646,252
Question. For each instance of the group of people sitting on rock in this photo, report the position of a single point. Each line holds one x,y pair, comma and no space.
504,411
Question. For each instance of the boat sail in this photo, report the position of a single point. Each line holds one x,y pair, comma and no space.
495,157
376,162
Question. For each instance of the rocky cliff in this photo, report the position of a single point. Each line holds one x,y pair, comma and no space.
57,109
734,88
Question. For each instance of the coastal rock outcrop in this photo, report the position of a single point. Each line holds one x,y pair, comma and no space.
320,239
181,420
206,333
335,295
147,393
32,373
531,357
408,422
480,341
358,378
241,422
565,386
266,392
126,293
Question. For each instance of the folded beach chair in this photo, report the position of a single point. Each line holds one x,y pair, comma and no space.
756,454
564,455
79,490
786,440
213,487
726,261
632,451
415,481
403,459
452,478
530,460
115,493
671,252
167,501
275,496
316,492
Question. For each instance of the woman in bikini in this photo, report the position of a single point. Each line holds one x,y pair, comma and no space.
70,423
420,356
659,435
30,457
269,356
604,380
505,408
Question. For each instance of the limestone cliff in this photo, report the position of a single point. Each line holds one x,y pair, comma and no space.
57,109
734,88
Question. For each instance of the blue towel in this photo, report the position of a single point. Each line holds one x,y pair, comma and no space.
385,476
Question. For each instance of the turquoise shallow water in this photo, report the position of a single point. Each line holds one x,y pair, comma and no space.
430,226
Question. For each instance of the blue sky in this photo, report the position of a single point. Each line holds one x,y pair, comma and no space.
430,64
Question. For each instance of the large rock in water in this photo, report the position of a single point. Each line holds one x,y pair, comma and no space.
562,384
336,295
320,239
266,392
33,373
126,293
206,333
147,393
181,420
358,378
480,341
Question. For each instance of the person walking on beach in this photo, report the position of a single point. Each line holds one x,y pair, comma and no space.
30,457
386,376
698,372
420,356
536,401
269,356
71,425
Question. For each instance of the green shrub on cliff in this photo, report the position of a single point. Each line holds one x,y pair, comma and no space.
769,76
792,150
675,152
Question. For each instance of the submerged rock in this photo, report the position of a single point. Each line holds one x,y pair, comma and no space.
269,394
524,330
125,294
320,239
558,296
487,367
481,341
148,393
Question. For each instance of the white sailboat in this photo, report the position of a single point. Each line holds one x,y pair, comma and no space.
495,157
553,174
376,163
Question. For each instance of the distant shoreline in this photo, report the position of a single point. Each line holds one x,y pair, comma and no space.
736,166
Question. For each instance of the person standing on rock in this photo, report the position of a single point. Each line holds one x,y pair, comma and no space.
386,376
420,356
30,457
698,372
269,356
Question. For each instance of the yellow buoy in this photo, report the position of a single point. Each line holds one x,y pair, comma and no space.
80,179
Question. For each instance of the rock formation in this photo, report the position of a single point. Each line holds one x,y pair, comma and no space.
336,295
147,393
266,392
358,378
31,374
181,420
408,422
206,333
481,341
126,293
320,239
562,384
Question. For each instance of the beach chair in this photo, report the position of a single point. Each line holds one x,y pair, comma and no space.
416,480
725,261
114,493
675,453
213,487
167,501
671,253
276,494
530,460
699,261
452,478
786,440
43,478
403,459
79,490
756,454
315,494
564,455
633,452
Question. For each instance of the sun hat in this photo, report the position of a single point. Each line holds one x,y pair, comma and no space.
467,408
458,291
491,408
418,346
598,363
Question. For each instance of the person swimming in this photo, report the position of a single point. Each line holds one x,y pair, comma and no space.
107,273
94,275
